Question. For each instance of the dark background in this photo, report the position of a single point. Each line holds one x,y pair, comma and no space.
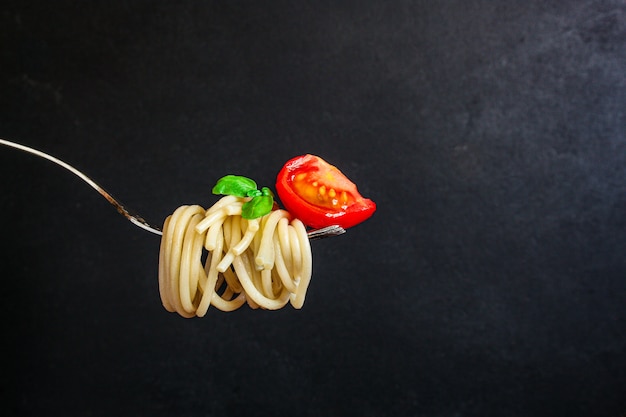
492,135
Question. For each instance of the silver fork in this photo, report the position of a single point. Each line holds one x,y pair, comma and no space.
135,218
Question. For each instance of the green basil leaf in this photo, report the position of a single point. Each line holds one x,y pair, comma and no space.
266,191
234,185
257,207
253,193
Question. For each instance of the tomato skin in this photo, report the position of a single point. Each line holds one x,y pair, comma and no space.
320,195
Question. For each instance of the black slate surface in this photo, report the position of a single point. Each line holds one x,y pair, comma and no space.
492,134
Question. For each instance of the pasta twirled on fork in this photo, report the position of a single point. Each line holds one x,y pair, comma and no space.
217,257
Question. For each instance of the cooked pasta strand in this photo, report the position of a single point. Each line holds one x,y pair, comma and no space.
264,262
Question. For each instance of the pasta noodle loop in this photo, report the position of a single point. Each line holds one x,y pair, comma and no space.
216,257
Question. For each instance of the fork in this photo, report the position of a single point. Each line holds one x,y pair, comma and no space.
135,218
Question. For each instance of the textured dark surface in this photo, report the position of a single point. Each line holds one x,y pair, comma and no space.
492,135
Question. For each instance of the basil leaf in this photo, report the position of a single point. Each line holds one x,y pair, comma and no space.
261,202
257,207
267,191
234,185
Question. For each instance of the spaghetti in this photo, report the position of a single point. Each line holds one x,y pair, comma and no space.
217,257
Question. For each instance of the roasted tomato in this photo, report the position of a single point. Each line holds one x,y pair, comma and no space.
319,195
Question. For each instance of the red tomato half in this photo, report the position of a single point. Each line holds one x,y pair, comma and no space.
319,195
